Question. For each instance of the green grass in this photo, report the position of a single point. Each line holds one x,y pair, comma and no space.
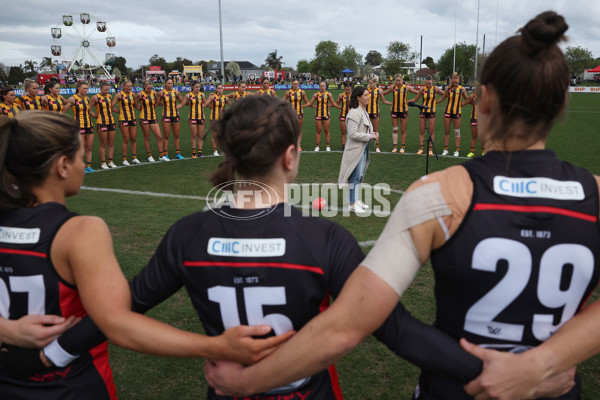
138,222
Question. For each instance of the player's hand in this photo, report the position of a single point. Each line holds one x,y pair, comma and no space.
21,363
556,385
375,135
226,378
35,331
241,346
505,376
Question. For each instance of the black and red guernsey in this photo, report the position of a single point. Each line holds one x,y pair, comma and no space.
523,261
29,284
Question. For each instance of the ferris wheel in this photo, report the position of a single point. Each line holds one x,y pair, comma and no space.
83,43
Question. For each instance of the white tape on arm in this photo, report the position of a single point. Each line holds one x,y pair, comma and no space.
394,257
59,356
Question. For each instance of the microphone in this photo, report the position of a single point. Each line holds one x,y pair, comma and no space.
419,106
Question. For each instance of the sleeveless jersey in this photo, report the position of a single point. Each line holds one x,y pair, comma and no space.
269,92
218,105
195,101
474,104
104,111
54,104
237,271
30,284
322,104
126,112
525,258
170,104
9,111
374,95
81,110
454,97
345,105
429,98
148,105
295,98
29,103
399,99
239,95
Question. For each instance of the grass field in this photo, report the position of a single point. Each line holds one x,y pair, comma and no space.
138,217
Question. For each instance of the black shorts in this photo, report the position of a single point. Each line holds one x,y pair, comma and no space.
373,115
171,119
473,122
86,131
148,121
300,116
107,127
452,116
128,123
196,121
400,114
322,118
427,115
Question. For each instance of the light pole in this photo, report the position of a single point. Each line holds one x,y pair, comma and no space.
221,37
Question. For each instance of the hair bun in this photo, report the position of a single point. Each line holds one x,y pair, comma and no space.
545,30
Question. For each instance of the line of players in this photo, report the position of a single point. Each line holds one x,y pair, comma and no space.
172,101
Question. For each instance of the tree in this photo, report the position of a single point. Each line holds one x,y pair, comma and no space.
156,60
327,61
178,64
430,63
46,63
397,55
351,58
29,66
579,59
204,66
273,61
16,75
3,73
233,69
373,58
465,61
303,66
119,64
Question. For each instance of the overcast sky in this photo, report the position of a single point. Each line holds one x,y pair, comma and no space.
252,29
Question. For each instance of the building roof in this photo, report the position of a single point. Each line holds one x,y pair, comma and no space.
243,65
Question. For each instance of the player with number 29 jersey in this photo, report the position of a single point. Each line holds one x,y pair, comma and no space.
523,260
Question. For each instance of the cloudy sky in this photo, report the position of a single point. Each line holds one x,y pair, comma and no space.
252,29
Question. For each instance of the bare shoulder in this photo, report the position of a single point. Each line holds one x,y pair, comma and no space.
84,227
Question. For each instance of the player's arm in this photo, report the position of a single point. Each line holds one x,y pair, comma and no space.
84,243
304,98
443,97
208,102
113,103
464,93
333,103
310,103
384,100
137,101
417,97
93,101
34,331
184,102
69,103
44,100
412,90
515,376
91,110
178,96
469,100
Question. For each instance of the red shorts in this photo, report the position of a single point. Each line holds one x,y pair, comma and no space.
128,123
107,127
171,119
400,115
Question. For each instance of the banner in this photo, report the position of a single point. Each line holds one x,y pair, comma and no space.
584,89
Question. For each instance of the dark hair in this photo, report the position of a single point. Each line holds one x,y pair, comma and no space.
347,84
429,78
530,77
4,91
49,85
356,93
253,133
80,84
29,144
103,84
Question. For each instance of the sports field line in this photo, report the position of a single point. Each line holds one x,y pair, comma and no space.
367,243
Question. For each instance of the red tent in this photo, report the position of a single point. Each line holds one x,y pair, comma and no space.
597,69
